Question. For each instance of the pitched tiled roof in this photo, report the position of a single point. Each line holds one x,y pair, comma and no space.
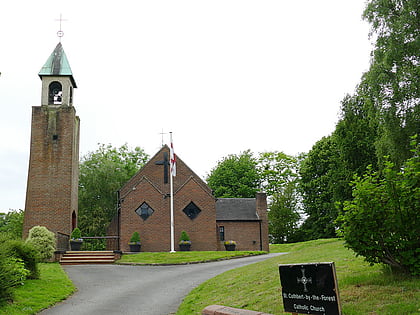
236,209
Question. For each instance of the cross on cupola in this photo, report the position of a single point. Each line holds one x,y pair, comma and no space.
60,33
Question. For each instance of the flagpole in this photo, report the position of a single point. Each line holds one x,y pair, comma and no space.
172,196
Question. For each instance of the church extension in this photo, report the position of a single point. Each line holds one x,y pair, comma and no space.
144,201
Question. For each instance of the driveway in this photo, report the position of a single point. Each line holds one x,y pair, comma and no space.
145,290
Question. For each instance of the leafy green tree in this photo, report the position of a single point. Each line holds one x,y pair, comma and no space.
102,174
393,79
377,121
278,176
12,223
236,176
318,180
276,170
283,217
382,222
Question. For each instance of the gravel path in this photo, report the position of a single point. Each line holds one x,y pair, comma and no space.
145,290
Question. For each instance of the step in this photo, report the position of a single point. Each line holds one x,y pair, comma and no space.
81,262
87,257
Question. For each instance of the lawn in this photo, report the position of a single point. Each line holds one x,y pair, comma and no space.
35,295
363,289
146,258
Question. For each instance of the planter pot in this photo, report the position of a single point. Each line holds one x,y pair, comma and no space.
135,247
184,247
230,247
75,245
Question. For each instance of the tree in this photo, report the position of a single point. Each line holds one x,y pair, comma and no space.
12,223
102,174
393,79
278,177
283,216
235,176
277,170
382,222
318,180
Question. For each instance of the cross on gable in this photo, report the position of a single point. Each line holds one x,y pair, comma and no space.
165,163
304,280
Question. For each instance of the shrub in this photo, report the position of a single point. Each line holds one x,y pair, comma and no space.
135,238
26,252
76,234
382,222
12,273
43,240
184,239
184,236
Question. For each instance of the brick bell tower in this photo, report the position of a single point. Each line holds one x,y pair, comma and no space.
52,187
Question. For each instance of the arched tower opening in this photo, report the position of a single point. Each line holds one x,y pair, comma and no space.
55,93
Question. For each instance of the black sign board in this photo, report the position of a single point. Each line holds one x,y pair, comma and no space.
310,288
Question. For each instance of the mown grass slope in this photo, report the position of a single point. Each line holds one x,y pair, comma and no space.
363,289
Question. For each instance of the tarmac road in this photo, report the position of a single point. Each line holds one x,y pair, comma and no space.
145,290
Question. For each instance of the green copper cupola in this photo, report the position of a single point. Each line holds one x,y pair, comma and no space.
57,79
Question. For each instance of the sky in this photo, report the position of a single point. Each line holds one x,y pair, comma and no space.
222,76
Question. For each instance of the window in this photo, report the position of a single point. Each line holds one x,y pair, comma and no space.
222,233
192,211
55,93
144,211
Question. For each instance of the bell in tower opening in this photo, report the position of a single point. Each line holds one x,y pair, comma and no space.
55,93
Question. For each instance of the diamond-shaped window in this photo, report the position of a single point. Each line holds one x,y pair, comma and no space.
144,211
192,211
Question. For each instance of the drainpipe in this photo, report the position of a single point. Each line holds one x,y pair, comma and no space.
118,220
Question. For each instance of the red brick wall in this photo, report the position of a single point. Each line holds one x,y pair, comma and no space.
148,186
246,234
263,215
51,194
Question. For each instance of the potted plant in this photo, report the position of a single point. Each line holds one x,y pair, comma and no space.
76,240
230,245
184,242
134,243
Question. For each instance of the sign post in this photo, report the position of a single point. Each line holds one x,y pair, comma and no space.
310,288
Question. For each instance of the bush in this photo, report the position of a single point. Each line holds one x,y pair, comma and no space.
382,222
12,273
43,240
184,236
135,238
26,252
76,234
184,239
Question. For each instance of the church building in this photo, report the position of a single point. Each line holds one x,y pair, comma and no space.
144,206
144,202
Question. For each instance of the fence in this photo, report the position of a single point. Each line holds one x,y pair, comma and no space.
100,243
89,242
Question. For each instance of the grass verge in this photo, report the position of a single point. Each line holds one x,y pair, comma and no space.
363,289
35,295
147,258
